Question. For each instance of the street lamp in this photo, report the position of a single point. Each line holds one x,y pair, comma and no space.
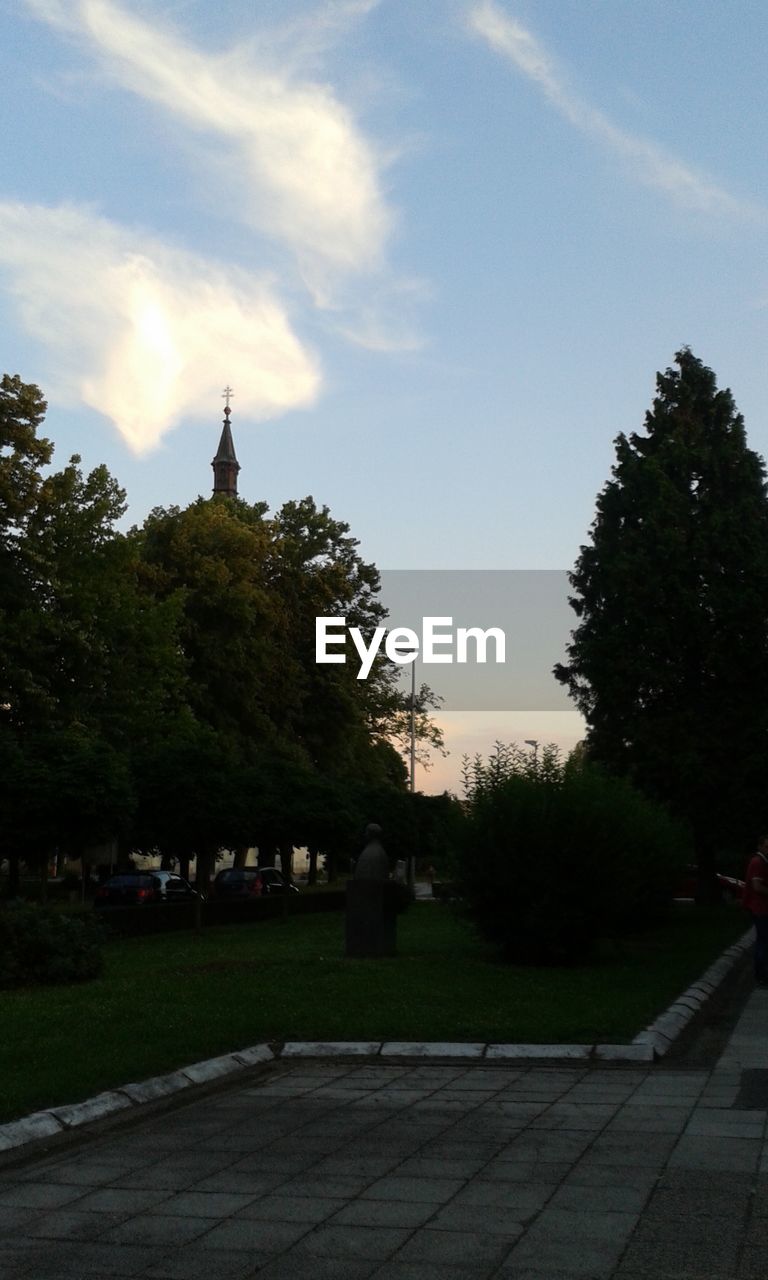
411,873
533,742
413,724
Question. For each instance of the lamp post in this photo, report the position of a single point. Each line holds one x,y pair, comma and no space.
533,742
411,877
413,724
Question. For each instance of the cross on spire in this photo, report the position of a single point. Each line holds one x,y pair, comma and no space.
226,394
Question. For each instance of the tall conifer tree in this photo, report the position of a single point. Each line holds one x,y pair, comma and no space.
669,660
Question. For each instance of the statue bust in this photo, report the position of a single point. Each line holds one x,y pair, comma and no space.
373,863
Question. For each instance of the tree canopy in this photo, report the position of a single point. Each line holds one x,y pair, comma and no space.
669,659
160,686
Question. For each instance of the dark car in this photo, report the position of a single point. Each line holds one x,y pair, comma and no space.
249,882
140,888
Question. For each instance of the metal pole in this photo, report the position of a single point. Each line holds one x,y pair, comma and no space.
411,858
413,725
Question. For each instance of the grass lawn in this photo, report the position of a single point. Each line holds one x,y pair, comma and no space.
171,999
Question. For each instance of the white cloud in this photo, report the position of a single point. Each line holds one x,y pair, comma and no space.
144,333
649,163
311,179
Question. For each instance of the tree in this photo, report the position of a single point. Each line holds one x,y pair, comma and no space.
251,588
22,455
89,664
211,557
299,738
177,660
192,796
22,452
345,724
669,660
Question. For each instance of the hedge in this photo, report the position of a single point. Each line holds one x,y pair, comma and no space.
40,945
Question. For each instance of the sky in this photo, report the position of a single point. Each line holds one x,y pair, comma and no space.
439,249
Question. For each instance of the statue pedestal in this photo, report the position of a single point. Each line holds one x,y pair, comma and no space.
371,918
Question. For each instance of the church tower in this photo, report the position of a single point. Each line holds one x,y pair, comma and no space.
225,464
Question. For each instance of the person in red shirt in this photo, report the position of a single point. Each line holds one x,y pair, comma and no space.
755,900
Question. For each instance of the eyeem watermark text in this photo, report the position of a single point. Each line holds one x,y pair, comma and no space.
437,643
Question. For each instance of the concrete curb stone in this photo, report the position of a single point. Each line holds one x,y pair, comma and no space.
253,1056
624,1052
558,1051
212,1068
156,1087
662,1033
41,1124
330,1048
103,1104
414,1049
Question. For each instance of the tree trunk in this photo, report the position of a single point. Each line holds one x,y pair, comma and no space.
205,857
330,865
266,850
241,855
14,875
312,874
286,859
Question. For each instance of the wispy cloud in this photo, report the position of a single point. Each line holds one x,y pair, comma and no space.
302,40
380,324
309,177
648,162
144,333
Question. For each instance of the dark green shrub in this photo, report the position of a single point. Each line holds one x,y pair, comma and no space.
558,855
38,945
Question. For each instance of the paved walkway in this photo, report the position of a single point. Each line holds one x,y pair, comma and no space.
337,1171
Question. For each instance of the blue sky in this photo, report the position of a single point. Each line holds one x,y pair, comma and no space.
439,249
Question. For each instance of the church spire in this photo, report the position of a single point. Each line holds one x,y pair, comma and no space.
225,464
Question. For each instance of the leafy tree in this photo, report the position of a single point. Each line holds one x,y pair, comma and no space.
346,725
178,661
22,455
192,796
102,647
22,452
669,660
73,790
250,590
212,558
89,662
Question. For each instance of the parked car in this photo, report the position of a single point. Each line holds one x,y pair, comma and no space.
249,882
140,888
730,887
